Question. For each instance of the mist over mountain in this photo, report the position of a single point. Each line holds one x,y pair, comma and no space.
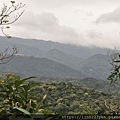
96,66
78,51
56,59
64,58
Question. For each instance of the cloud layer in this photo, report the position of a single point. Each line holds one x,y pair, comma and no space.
46,26
113,16
70,21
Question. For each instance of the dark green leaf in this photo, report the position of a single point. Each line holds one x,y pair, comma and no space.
23,96
17,77
18,83
19,99
29,78
9,87
117,61
3,96
26,87
22,110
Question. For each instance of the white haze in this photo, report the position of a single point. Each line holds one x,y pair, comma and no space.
79,22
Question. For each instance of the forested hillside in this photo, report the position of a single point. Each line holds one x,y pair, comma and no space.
92,83
66,98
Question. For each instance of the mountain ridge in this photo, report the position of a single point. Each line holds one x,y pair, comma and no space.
78,51
92,62
33,66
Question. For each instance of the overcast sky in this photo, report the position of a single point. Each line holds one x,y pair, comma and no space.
80,22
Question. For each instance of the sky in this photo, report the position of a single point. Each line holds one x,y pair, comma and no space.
78,22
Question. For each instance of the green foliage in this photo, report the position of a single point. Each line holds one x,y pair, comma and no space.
18,96
66,98
115,74
115,62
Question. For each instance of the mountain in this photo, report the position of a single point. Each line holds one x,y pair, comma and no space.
32,66
22,49
96,66
91,61
64,58
78,51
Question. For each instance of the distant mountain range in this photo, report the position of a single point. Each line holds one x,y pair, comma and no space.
32,66
96,66
44,46
52,59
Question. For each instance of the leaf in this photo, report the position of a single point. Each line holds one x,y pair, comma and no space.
38,106
117,61
7,27
1,80
2,112
3,96
22,96
22,110
5,21
18,83
44,97
33,85
29,78
33,104
9,87
26,87
9,36
12,2
1,87
19,99
16,77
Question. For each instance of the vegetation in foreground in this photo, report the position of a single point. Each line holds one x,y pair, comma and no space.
21,96
66,98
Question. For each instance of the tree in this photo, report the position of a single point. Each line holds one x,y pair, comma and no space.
19,97
6,19
115,63
114,60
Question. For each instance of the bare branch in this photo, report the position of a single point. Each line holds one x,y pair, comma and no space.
6,13
6,57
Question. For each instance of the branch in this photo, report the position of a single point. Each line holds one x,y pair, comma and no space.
114,60
6,13
5,57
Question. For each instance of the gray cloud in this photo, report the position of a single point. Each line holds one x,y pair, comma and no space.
113,16
94,34
43,21
59,22
47,26
54,4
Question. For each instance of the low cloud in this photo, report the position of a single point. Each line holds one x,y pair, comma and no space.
46,26
113,16
94,34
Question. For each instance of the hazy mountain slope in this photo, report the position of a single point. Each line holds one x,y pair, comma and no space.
61,57
96,66
78,51
22,49
30,66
